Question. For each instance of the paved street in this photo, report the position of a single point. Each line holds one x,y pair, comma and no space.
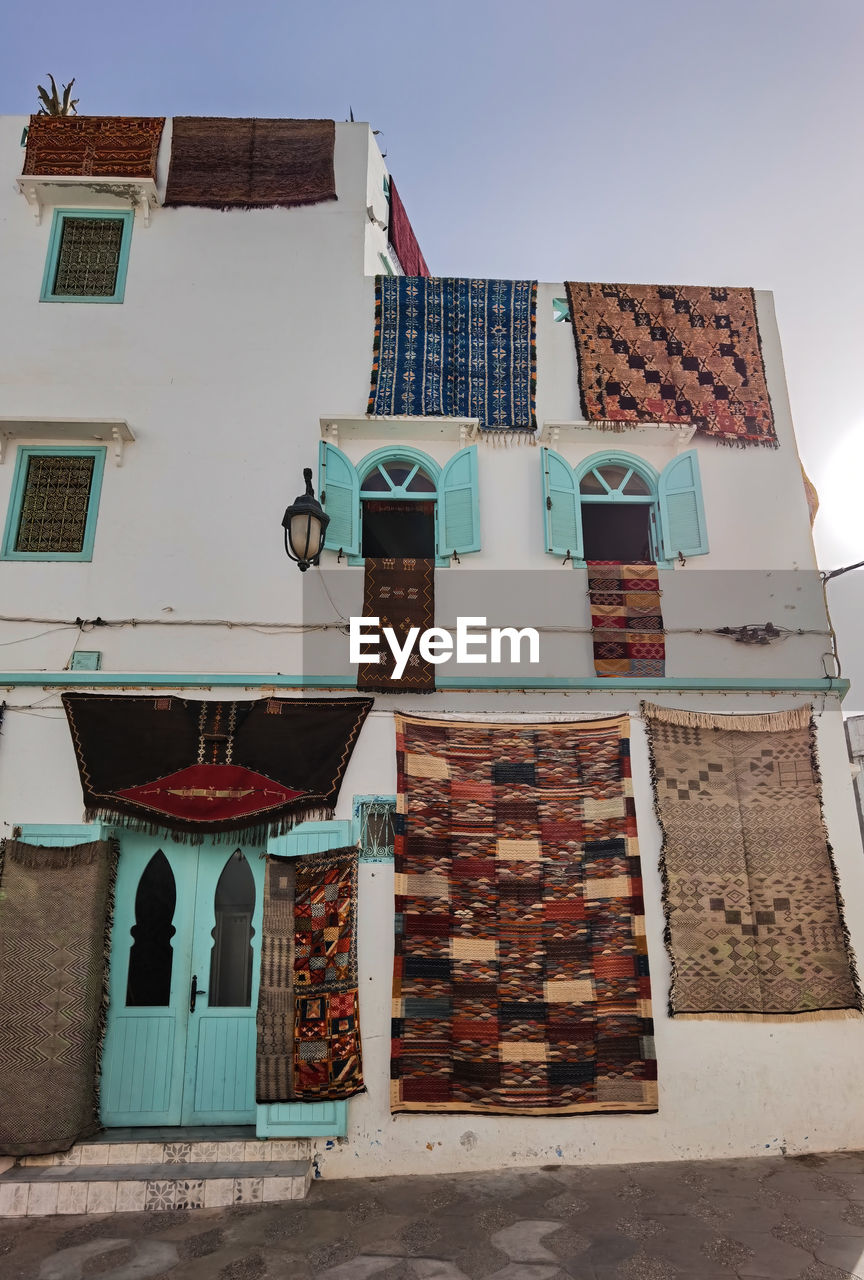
790,1219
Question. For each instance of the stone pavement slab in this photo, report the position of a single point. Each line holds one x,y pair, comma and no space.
768,1219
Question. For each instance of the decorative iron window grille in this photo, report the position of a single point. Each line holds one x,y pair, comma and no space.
55,504
88,258
376,818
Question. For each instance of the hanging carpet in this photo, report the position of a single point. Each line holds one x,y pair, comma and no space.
83,146
213,768
219,163
456,348
626,623
401,594
308,1016
754,920
672,353
55,920
521,981
401,236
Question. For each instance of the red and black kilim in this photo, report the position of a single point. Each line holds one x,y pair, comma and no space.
626,622
521,981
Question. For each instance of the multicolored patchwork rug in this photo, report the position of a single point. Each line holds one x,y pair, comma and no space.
224,769
521,980
754,918
308,1013
219,163
401,594
55,919
456,348
78,146
626,621
672,353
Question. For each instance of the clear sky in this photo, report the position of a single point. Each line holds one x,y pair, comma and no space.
679,141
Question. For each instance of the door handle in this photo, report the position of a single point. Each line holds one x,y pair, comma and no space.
195,992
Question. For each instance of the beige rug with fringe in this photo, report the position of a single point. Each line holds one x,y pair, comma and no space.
754,919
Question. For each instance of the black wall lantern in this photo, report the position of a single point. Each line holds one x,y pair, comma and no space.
305,525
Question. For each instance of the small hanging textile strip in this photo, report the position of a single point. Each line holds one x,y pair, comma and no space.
754,918
308,1015
219,163
402,237
81,146
212,768
55,921
520,979
672,353
401,593
626,622
456,348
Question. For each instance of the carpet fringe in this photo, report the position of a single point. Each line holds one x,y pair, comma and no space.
797,718
807,1015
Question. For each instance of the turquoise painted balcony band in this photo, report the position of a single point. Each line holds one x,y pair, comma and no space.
16,501
467,684
55,240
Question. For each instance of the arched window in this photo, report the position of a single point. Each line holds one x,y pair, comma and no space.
398,501
615,506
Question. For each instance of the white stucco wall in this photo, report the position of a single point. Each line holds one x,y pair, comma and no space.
238,332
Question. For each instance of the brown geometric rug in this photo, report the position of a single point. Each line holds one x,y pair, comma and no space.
401,594
55,917
221,163
520,980
113,146
755,923
672,353
308,1013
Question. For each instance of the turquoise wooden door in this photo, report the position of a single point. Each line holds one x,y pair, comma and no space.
187,920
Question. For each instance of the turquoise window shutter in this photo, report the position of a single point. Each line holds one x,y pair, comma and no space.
459,505
339,491
562,514
682,515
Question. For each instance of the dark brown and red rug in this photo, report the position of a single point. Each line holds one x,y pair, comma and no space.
521,981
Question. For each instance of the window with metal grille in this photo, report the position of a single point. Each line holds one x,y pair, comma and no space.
376,820
87,256
52,512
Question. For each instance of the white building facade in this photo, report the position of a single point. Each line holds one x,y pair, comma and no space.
242,343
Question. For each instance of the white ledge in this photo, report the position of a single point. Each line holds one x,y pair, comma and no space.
676,434
88,191
113,431
402,428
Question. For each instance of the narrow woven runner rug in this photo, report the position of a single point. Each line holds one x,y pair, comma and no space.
401,594
521,981
56,906
626,622
755,925
219,163
308,1015
672,353
456,348
79,146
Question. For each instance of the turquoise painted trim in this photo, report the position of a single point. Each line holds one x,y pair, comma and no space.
61,835
456,536
126,216
357,824
617,458
398,453
242,680
673,489
19,479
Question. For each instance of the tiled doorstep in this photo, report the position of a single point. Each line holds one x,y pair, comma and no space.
26,1192
173,1153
